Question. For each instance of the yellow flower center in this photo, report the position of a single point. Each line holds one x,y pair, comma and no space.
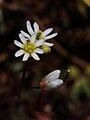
29,47
39,35
46,49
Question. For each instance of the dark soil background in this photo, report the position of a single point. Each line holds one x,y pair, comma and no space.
71,19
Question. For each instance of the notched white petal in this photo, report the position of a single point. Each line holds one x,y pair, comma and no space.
25,34
36,27
51,36
19,53
53,75
23,39
40,51
25,57
60,81
57,83
48,44
29,28
35,56
18,44
54,84
47,31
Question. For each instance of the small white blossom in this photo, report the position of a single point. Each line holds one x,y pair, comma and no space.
39,34
34,42
29,47
51,81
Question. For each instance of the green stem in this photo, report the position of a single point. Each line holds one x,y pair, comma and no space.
22,80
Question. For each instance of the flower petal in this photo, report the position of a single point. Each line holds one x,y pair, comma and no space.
23,39
36,27
18,44
25,34
25,57
19,53
40,51
53,75
54,84
51,36
39,43
29,28
48,44
47,31
32,39
57,83
35,56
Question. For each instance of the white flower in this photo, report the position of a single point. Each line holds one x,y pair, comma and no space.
34,42
39,34
51,81
29,47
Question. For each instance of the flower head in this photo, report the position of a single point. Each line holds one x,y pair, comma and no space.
40,35
34,42
51,81
29,47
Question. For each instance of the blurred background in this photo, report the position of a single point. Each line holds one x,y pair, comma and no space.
71,19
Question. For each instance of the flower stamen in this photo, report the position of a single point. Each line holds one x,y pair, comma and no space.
29,47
